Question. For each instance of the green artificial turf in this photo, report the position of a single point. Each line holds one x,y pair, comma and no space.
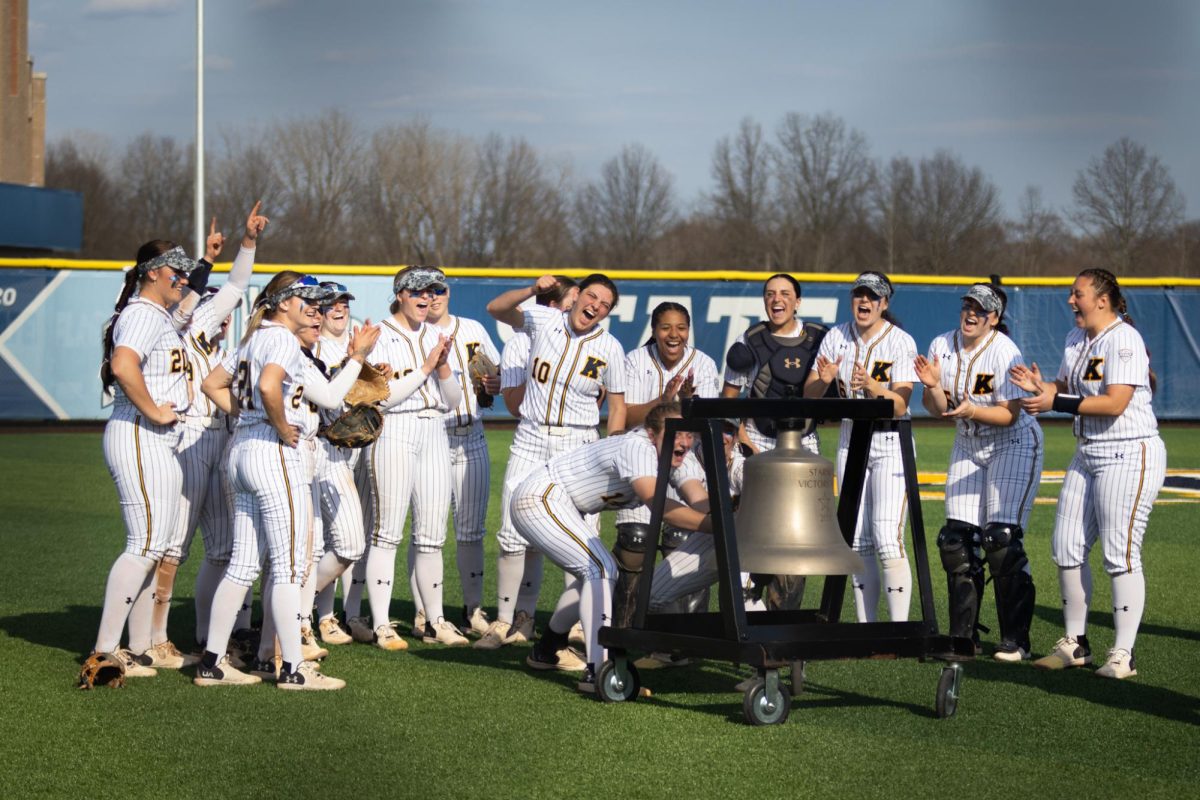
436,722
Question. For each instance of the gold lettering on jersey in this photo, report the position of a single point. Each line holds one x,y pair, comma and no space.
1092,371
179,362
245,387
296,396
984,383
202,340
471,348
591,369
882,371
540,370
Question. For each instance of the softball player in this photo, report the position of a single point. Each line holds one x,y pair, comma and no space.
204,437
872,357
572,359
270,469
470,464
664,368
514,361
549,508
144,357
995,468
1105,381
410,462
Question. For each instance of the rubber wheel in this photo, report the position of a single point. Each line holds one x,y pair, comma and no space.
762,709
618,684
947,693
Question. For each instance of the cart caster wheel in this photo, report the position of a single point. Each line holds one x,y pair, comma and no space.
618,682
766,703
798,677
947,691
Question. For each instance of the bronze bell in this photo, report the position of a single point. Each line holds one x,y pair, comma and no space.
787,521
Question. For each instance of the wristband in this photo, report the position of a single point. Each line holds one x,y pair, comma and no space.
1066,403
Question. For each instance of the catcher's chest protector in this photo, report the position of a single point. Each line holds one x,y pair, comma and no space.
786,362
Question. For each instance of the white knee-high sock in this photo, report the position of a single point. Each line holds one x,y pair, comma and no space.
430,574
509,569
413,585
208,577
328,570
127,578
469,556
325,599
308,594
866,589
352,591
285,608
1129,601
141,617
226,604
381,572
595,611
566,613
531,582
245,610
1076,587
897,582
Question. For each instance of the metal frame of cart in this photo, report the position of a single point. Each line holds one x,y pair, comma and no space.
771,640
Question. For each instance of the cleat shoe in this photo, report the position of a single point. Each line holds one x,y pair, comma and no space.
387,638
1009,650
419,623
521,630
266,668
1068,652
660,660
136,666
564,660
587,684
223,675
360,630
333,633
309,649
308,678
1120,665
575,635
475,623
444,632
167,656
494,638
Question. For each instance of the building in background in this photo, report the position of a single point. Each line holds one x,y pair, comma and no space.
33,220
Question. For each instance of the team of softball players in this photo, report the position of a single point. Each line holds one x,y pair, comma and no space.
226,437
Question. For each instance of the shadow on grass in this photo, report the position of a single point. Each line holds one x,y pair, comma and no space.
72,630
1104,619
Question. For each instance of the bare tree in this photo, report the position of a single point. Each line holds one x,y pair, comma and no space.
316,160
823,170
157,176
82,164
1040,237
956,216
741,202
240,173
620,217
892,199
1126,200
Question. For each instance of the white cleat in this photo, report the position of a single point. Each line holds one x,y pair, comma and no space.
308,678
521,631
444,632
1120,665
167,656
223,675
136,666
493,638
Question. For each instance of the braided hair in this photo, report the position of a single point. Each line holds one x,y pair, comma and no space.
151,249
1105,283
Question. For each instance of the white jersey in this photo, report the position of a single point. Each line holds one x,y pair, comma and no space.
980,376
599,476
514,362
204,353
405,351
311,375
331,351
469,336
567,370
887,357
270,344
646,376
690,470
1116,356
146,328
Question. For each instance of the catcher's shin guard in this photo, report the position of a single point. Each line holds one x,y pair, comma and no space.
630,552
1015,593
964,575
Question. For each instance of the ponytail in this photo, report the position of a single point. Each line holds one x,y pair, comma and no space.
127,289
1000,325
262,305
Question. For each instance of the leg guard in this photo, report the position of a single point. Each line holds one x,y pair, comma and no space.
1015,593
630,552
964,573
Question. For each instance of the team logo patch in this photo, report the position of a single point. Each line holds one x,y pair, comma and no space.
471,348
881,371
591,369
984,383
1092,371
793,363
1125,355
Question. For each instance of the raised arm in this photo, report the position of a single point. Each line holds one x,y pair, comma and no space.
506,307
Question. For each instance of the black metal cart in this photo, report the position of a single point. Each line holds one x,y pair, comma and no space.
772,640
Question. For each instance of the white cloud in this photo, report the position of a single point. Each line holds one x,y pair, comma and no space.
119,8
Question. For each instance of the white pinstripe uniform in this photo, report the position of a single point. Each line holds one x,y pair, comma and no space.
143,458
341,507
994,471
549,508
514,361
564,376
1120,462
646,377
744,380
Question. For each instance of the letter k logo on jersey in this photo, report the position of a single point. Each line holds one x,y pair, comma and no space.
881,371
984,384
1092,371
591,368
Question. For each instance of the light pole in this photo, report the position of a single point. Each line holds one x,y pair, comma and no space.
199,198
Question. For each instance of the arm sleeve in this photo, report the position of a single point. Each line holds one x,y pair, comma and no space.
229,296
331,393
451,390
402,388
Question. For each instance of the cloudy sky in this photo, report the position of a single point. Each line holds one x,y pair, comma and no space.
1029,91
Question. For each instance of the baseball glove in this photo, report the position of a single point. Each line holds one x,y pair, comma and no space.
358,427
371,386
102,669
479,367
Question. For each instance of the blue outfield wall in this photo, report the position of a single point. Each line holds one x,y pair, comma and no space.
50,323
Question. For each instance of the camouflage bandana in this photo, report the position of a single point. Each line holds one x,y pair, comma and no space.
873,284
306,287
175,258
986,296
